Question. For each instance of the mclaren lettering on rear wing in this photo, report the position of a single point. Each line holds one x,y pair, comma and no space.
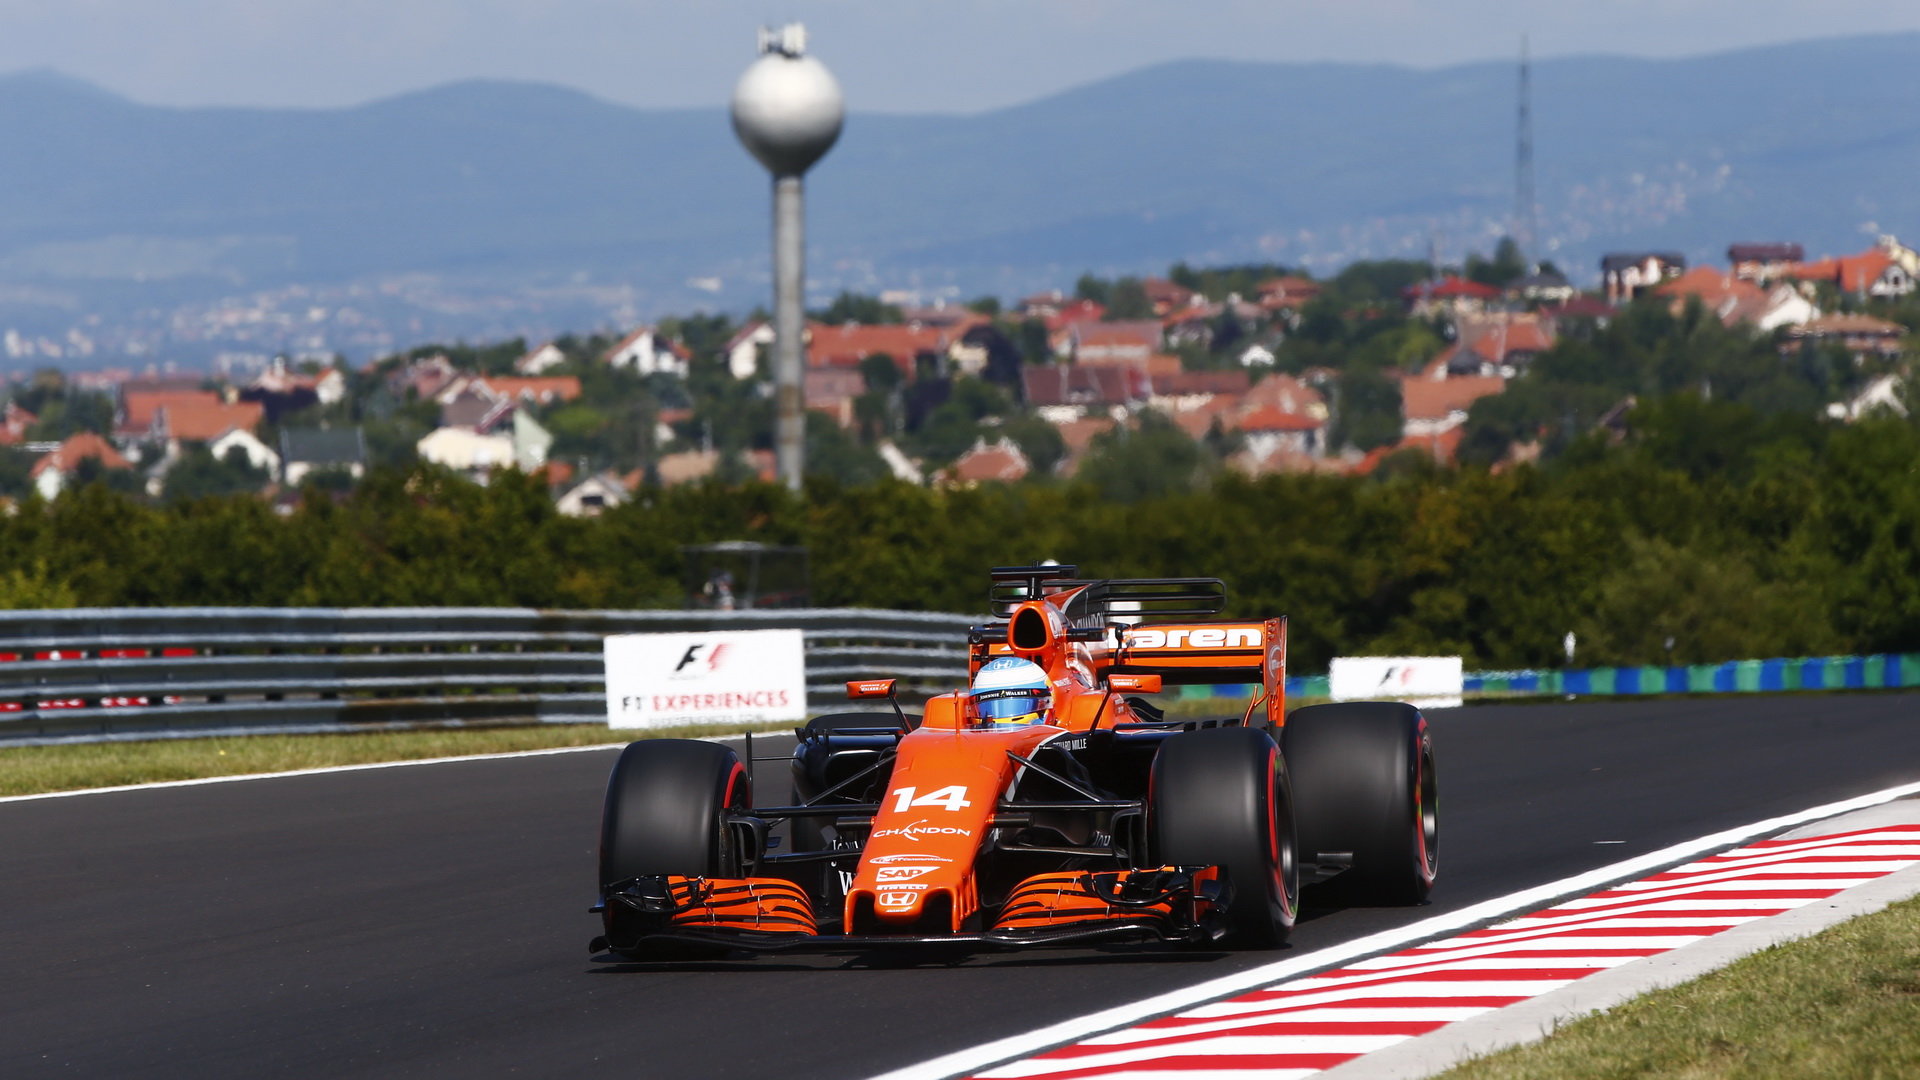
1207,652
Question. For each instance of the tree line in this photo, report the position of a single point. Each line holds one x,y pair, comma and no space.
1709,530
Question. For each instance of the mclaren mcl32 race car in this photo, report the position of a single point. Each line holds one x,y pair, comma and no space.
1002,816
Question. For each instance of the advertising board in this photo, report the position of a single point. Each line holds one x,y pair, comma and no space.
1429,682
706,677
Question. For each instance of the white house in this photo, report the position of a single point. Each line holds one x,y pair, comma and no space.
465,449
1786,306
1885,393
531,442
259,455
593,496
1256,353
743,349
648,353
306,450
541,360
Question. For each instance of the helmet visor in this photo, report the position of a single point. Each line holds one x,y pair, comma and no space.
1009,704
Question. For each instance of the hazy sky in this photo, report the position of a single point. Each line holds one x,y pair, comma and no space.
890,55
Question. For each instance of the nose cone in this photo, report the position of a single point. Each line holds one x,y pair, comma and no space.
787,111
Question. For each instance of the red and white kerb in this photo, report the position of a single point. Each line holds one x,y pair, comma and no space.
1298,1027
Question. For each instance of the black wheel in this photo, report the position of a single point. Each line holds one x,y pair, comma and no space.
1364,783
663,810
663,815
1220,797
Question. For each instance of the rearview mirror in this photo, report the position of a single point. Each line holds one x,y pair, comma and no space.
1137,684
870,688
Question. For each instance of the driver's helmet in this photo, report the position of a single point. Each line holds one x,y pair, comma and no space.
1009,690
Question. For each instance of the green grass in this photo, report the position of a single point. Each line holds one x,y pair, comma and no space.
1845,1003
34,770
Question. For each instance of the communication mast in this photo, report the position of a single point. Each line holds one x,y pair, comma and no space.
1525,216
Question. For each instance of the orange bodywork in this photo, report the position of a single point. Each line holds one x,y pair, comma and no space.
770,904
916,872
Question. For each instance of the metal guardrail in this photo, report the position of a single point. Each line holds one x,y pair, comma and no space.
95,674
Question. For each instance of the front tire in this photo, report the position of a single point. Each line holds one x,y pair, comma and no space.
665,816
1365,783
1221,797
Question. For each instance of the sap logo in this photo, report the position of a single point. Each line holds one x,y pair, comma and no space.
903,873
919,829
896,900
909,857
1202,637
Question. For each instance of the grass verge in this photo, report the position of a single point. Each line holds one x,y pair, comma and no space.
1844,1003
35,770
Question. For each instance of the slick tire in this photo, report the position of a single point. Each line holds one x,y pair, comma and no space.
1220,797
663,810
1364,782
663,815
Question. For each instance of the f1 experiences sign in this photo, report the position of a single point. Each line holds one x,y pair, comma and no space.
1428,682
718,677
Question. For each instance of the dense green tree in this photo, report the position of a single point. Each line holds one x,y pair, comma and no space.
1128,300
834,453
1366,411
851,307
1383,280
1097,289
1039,441
1506,264
197,474
1150,459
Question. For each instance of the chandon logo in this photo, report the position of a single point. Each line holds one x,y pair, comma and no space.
919,829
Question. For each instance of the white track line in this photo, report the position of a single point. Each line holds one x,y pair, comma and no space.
974,1059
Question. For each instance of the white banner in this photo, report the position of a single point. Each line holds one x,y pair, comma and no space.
1429,682
717,677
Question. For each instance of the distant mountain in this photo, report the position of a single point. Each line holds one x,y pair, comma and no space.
513,186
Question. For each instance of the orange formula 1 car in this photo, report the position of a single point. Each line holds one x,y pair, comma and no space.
1061,808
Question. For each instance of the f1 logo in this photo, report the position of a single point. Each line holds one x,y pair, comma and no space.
699,660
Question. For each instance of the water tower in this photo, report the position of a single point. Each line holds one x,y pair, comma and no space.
787,111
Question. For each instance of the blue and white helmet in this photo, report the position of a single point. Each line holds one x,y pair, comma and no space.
1008,690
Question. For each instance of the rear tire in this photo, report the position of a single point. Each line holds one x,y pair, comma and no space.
1220,797
1365,783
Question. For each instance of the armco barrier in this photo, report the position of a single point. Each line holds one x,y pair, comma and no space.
119,673
1877,672
1882,671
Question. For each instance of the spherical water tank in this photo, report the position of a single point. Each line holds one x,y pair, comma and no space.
787,111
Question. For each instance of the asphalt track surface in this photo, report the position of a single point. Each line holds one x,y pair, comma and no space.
432,920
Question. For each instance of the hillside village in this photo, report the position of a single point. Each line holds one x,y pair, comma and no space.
1251,369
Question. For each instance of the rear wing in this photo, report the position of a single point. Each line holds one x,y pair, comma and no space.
1205,652
1099,601
1051,613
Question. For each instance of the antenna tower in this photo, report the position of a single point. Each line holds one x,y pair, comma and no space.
1525,219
